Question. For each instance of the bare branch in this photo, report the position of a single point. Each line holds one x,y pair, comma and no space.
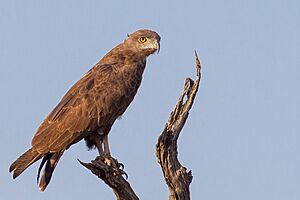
176,176
108,169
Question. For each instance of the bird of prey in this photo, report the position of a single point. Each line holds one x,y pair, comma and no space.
89,109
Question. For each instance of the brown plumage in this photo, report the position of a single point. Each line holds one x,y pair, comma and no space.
89,109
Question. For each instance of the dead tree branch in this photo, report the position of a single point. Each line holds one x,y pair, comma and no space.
176,176
108,169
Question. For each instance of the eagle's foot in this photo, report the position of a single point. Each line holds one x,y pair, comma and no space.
113,164
118,166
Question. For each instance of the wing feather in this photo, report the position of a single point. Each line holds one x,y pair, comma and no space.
77,113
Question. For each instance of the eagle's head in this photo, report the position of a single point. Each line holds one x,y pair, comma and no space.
144,42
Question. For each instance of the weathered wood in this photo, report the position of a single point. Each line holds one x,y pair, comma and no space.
176,176
108,169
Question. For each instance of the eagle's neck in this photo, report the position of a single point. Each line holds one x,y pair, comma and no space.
128,65
123,53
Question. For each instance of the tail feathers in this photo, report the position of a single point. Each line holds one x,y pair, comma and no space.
23,162
52,160
29,157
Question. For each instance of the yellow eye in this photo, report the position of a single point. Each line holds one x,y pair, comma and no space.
142,39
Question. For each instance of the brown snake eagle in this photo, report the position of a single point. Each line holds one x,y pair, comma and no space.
89,109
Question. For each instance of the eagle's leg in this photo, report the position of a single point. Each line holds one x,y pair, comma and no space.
106,150
106,146
109,159
106,153
99,145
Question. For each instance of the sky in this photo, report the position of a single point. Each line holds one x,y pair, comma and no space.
241,140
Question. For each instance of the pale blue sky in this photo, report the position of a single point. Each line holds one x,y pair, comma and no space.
242,138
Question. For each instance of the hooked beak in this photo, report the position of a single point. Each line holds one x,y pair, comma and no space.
153,46
157,46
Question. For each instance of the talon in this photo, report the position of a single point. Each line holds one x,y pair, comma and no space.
120,166
124,173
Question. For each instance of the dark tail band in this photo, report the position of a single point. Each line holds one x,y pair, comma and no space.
51,161
29,157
